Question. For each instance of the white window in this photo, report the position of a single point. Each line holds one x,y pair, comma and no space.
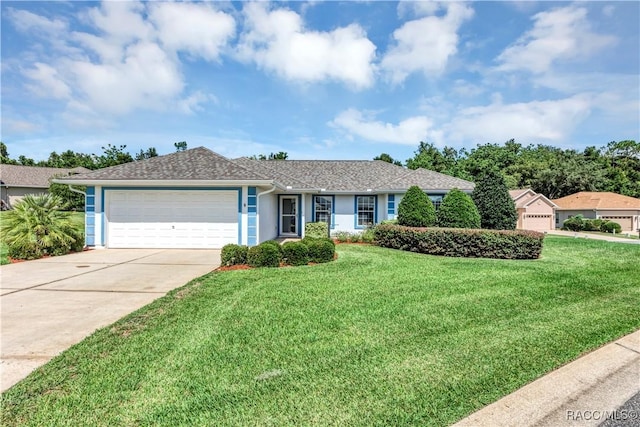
323,206
365,211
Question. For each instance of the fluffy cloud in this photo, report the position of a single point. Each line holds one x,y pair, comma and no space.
408,131
559,34
425,44
550,120
276,40
130,60
200,31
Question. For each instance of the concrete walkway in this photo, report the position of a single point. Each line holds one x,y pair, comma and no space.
50,304
582,393
583,235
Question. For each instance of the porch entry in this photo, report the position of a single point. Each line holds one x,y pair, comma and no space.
289,215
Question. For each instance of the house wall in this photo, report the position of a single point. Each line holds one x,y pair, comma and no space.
12,195
628,219
562,215
267,217
539,208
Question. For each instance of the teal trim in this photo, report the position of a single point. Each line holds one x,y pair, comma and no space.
238,189
333,208
355,210
252,217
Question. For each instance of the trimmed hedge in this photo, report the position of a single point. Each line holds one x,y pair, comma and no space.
416,209
233,254
295,253
275,244
454,242
316,229
264,255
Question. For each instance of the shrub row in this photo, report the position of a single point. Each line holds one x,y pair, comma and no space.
579,223
365,236
503,244
272,253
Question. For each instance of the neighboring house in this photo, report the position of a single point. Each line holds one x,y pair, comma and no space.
200,199
17,181
535,211
614,207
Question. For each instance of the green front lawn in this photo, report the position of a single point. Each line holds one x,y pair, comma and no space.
378,337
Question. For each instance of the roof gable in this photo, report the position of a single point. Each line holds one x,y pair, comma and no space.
537,197
597,200
195,164
33,176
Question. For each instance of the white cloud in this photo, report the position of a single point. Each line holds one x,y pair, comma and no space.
28,22
201,30
426,44
557,35
46,82
128,60
276,40
551,120
409,131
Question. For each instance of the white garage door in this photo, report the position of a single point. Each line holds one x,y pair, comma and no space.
537,222
171,219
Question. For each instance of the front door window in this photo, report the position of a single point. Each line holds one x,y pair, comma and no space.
288,221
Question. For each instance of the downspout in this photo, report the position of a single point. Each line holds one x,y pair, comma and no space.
271,190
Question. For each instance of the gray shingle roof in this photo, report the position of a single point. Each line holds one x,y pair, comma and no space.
32,176
194,164
331,175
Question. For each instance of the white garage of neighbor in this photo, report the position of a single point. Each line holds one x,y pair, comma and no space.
198,219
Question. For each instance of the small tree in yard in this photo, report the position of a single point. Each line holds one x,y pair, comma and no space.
458,211
416,209
37,226
495,205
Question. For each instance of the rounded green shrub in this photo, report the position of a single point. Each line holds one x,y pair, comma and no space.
458,211
416,209
233,254
295,253
275,244
321,250
574,223
610,227
37,227
264,255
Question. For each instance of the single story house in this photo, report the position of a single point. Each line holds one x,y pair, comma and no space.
614,207
535,211
199,199
16,181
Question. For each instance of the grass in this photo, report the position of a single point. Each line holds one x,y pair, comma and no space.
378,337
78,217
623,235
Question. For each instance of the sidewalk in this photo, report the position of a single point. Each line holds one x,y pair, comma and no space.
581,393
583,235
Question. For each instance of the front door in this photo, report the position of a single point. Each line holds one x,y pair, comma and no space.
288,215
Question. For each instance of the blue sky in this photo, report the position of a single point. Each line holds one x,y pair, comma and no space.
325,80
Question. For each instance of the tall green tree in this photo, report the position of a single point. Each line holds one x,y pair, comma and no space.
457,210
416,209
113,156
495,205
149,153
387,158
180,146
4,155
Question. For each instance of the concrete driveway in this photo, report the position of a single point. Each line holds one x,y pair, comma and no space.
50,304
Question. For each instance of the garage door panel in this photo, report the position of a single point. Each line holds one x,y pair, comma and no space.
538,222
171,219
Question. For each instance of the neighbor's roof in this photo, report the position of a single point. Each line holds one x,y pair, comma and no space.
519,192
597,200
33,176
330,175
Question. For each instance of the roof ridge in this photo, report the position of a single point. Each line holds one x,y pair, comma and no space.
278,172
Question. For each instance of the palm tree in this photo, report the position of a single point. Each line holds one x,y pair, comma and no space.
38,226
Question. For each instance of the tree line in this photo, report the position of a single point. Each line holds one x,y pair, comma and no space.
552,171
